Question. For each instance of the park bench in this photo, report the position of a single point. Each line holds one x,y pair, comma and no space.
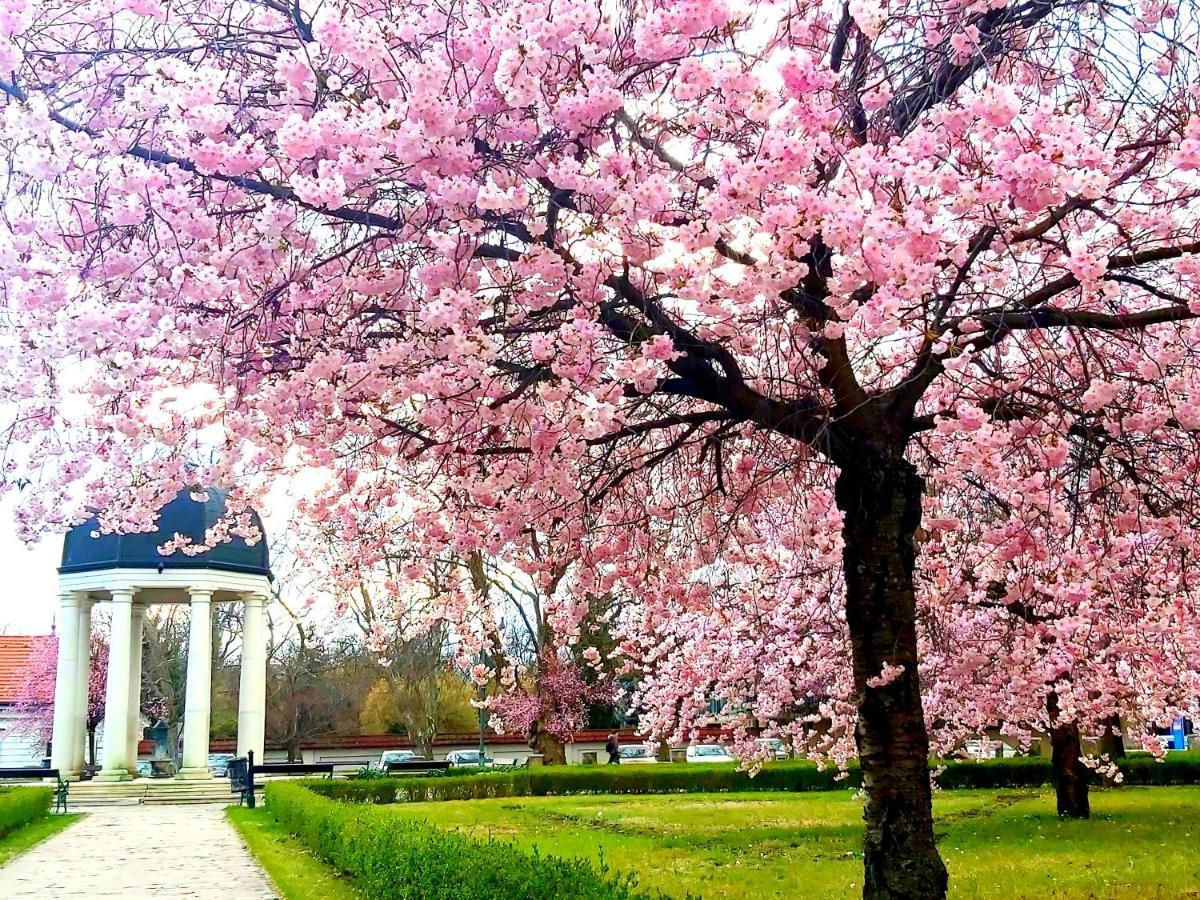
325,769
355,764
243,769
418,765
37,773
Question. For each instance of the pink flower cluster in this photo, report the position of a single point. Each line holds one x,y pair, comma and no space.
556,698
614,296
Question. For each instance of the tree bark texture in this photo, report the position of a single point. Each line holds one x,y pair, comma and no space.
1070,774
554,753
881,503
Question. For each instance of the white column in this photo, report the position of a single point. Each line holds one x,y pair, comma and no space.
116,694
252,691
83,686
135,684
66,680
197,702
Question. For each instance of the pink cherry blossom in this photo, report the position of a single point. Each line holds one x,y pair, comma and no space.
850,352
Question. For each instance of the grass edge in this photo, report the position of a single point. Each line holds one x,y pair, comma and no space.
18,842
257,829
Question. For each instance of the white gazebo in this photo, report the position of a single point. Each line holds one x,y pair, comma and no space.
127,572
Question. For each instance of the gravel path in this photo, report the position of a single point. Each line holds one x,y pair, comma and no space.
141,852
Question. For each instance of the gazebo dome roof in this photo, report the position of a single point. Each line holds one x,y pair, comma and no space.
182,515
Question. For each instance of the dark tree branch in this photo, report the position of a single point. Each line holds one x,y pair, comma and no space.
997,28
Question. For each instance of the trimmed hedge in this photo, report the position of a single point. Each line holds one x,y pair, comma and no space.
1015,772
1176,768
1019,772
1034,771
395,857
22,805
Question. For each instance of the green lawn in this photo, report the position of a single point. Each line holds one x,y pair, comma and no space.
1143,842
297,874
21,839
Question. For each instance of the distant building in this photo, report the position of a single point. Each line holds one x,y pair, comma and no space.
17,748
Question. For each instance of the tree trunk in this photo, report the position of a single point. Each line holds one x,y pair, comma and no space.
554,753
1112,743
91,733
880,500
1070,774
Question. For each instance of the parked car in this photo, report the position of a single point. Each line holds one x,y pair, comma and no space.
393,756
218,764
775,746
977,749
458,758
637,754
708,753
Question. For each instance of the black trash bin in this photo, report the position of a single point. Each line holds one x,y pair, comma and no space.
239,774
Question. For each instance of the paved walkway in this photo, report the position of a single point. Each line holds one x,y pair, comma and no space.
140,852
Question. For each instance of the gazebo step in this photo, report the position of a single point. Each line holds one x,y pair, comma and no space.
102,802
92,793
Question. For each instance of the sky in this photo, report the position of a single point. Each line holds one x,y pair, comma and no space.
28,581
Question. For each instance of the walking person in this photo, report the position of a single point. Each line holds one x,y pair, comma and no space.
614,750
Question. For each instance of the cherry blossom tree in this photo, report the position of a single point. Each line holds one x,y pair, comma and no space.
536,643
35,693
1062,604
552,706
1042,611
573,266
520,627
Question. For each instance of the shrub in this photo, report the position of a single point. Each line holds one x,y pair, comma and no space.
1019,772
1176,768
1034,771
396,857
562,780
415,788
22,805
690,778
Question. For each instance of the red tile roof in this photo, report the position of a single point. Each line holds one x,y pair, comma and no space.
15,650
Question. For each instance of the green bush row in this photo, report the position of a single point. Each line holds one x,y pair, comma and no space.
1176,768
1020,772
396,857
553,780
22,805
1034,771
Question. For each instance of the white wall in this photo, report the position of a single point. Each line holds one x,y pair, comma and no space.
17,749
